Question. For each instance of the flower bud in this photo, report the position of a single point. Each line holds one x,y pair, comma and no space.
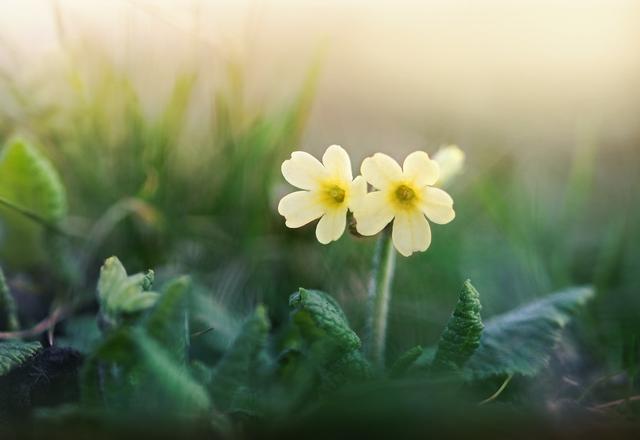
450,160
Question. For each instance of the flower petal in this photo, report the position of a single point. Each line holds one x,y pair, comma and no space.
420,169
411,232
358,191
303,170
437,205
337,163
380,170
451,160
373,213
331,225
300,208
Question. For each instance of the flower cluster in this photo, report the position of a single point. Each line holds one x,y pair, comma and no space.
406,196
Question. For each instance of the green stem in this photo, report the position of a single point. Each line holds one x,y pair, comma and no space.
495,395
384,262
32,216
8,309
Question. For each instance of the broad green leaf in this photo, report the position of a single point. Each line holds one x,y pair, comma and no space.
237,369
351,367
28,180
119,293
167,321
201,372
332,346
131,371
320,319
520,341
176,384
461,336
15,353
28,184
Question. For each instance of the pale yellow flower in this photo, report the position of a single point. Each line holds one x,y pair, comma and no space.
405,196
329,190
450,159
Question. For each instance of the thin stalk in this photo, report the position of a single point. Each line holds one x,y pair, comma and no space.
49,322
384,263
33,217
495,395
8,309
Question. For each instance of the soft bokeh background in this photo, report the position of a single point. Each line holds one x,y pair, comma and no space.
189,107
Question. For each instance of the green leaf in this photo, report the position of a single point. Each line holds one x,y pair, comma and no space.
174,381
29,187
132,299
131,371
167,321
207,312
520,341
332,346
15,353
28,180
99,384
235,372
119,293
351,367
80,333
405,361
320,319
461,336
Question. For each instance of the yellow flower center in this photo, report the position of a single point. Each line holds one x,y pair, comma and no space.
336,193
404,196
333,194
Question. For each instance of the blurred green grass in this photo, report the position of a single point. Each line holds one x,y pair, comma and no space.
160,190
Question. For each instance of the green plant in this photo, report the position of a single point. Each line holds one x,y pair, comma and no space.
195,194
145,365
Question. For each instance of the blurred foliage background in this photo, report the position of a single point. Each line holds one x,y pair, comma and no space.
168,125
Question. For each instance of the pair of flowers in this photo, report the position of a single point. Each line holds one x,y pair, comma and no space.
405,195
